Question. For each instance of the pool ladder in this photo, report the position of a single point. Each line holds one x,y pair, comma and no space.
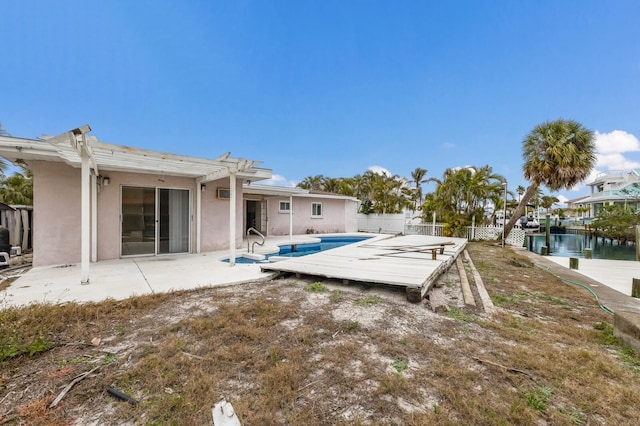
253,246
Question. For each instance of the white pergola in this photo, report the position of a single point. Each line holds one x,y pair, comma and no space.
80,150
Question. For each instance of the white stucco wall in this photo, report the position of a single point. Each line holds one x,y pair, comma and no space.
56,227
215,217
335,216
56,214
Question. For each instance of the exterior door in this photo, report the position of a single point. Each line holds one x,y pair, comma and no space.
154,221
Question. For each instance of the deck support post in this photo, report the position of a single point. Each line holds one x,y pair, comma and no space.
414,294
635,288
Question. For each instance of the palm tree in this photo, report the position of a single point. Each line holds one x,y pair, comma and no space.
3,164
17,189
462,195
557,154
520,190
312,183
331,185
548,201
417,178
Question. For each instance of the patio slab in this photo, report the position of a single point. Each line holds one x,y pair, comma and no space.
122,278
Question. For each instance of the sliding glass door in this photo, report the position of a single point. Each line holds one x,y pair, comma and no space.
154,221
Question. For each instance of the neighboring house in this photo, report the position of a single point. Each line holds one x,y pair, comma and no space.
97,201
283,211
614,187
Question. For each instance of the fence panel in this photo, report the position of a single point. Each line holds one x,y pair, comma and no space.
381,223
515,237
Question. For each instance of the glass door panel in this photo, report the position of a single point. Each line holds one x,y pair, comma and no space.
138,221
173,229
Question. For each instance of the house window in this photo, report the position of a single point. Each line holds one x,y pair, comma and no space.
285,206
316,209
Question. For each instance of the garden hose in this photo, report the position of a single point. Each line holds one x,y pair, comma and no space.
568,281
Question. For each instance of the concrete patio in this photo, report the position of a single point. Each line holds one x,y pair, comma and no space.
134,276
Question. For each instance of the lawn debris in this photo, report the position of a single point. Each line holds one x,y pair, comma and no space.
121,395
71,384
504,367
224,414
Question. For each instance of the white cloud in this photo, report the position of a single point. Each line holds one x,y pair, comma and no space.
610,148
448,145
379,170
610,153
562,199
278,180
615,142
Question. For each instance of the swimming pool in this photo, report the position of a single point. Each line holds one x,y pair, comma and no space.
297,250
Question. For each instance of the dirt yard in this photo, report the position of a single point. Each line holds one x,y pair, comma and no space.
310,352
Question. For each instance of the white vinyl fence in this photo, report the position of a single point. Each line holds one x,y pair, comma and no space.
381,223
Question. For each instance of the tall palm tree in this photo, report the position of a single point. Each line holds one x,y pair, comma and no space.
557,154
417,178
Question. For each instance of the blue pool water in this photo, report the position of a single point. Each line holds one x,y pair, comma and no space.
573,245
297,250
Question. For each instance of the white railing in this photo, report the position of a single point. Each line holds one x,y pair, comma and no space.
424,229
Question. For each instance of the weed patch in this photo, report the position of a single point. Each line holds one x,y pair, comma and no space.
369,301
316,287
538,398
458,314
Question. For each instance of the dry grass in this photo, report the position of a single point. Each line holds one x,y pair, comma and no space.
345,355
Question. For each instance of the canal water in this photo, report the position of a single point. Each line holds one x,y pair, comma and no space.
573,245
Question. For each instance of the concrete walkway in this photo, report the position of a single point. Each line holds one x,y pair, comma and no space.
616,274
609,279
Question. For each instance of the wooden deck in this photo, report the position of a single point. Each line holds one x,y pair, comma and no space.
411,261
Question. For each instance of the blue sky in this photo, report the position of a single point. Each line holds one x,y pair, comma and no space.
326,87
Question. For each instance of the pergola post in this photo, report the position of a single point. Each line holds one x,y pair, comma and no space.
85,220
232,217
290,217
199,188
94,218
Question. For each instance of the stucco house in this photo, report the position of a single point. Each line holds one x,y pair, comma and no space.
97,201
282,211
614,187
